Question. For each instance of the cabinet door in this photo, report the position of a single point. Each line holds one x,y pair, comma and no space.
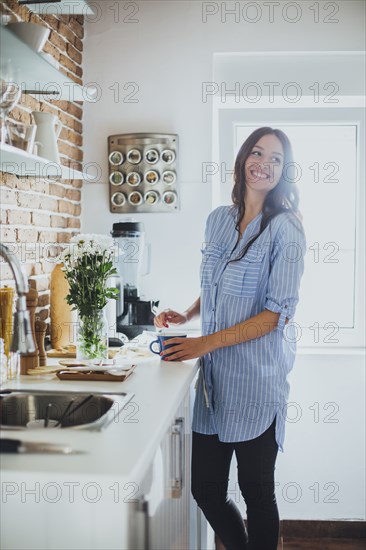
162,516
169,521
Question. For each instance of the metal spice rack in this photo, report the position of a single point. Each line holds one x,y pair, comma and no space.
142,171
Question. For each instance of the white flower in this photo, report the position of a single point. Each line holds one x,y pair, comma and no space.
86,244
91,242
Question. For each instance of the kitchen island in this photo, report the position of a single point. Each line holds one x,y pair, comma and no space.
97,498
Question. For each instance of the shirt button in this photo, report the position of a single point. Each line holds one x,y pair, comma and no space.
213,309
215,284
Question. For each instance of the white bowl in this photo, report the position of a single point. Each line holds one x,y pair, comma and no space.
31,33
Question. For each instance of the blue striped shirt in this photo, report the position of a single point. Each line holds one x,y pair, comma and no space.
241,388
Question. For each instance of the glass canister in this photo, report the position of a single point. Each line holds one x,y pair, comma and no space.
130,239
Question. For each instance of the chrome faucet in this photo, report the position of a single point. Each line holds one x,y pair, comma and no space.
22,341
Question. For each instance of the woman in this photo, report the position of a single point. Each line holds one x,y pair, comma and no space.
252,264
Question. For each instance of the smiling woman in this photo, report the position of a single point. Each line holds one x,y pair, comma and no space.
250,276
261,169
266,161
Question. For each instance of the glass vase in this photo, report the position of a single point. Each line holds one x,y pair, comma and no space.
92,336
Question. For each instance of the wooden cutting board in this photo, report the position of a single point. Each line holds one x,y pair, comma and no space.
94,376
60,312
69,374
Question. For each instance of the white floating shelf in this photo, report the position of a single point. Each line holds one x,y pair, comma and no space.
66,7
36,74
21,163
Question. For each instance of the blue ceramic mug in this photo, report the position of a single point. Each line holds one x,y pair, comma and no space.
165,338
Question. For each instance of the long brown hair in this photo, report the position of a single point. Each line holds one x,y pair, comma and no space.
284,197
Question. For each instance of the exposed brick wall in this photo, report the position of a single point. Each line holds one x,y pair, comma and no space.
38,214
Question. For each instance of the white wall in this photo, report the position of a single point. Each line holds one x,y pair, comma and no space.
169,54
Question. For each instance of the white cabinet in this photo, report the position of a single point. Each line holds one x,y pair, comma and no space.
162,515
128,489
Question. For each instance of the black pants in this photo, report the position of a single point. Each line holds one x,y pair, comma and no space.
210,475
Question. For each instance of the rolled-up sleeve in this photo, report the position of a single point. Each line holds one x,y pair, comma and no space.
287,267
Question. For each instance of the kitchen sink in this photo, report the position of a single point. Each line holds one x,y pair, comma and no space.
25,410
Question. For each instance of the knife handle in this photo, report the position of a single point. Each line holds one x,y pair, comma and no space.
10,445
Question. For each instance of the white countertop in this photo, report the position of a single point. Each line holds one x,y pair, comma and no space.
122,450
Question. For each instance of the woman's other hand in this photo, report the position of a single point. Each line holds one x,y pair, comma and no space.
169,316
187,348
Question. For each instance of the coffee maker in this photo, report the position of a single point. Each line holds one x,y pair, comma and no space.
133,314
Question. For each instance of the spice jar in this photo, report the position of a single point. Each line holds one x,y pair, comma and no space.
152,156
151,177
135,198
134,156
169,198
151,197
133,179
118,199
168,156
116,158
116,178
169,177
